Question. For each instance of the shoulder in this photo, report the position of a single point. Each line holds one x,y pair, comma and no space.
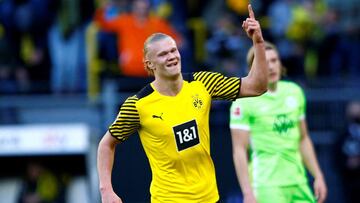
246,101
144,92
205,75
132,100
200,76
290,86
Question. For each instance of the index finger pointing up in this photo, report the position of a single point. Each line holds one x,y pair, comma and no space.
251,12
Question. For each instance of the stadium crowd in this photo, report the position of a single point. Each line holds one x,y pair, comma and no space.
65,46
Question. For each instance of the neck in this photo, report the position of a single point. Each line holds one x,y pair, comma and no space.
169,87
272,87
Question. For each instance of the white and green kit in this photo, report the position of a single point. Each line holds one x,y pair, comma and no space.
272,120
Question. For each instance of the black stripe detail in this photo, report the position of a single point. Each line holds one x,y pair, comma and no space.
188,77
147,90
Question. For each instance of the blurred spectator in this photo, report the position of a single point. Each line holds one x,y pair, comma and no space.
23,48
132,30
328,49
15,18
40,186
225,47
340,47
107,41
67,45
280,18
351,152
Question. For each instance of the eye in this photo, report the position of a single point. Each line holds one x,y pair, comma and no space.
162,53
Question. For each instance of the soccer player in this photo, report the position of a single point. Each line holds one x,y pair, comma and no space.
274,125
171,115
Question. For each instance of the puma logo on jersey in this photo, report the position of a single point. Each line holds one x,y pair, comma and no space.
160,117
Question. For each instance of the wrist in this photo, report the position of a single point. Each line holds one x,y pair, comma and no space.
259,41
104,189
319,175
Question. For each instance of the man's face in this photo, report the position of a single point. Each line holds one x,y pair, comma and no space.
164,58
141,8
274,65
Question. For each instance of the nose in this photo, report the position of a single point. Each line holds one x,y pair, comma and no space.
271,65
172,56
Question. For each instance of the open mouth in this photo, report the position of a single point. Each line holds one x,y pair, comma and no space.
172,64
272,74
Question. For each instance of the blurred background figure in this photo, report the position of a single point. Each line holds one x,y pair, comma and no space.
21,29
131,29
67,45
351,152
225,46
40,185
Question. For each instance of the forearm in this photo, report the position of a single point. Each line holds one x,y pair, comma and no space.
242,171
309,157
105,161
258,71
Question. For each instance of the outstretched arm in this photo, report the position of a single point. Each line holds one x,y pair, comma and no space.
255,83
311,163
105,161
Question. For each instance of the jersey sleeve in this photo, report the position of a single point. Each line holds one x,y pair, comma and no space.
127,121
239,116
219,86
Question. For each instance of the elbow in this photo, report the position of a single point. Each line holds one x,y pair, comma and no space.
262,90
259,85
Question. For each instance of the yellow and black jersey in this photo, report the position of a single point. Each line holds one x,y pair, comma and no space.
174,131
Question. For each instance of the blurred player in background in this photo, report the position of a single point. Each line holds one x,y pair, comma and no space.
275,127
171,116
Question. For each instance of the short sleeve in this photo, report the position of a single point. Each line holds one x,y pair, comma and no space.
219,86
127,121
239,116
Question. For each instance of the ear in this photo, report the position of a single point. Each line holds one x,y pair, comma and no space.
149,64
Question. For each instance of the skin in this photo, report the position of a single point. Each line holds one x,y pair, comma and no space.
240,143
163,60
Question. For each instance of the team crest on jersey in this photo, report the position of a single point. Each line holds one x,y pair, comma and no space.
197,102
283,124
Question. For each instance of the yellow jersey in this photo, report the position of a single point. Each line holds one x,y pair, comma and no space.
174,131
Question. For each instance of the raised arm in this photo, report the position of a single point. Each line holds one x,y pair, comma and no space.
105,161
255,83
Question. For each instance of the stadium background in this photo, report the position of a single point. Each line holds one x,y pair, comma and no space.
59,127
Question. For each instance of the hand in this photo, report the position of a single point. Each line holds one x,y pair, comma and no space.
249,198
110,197
252,27
320,189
